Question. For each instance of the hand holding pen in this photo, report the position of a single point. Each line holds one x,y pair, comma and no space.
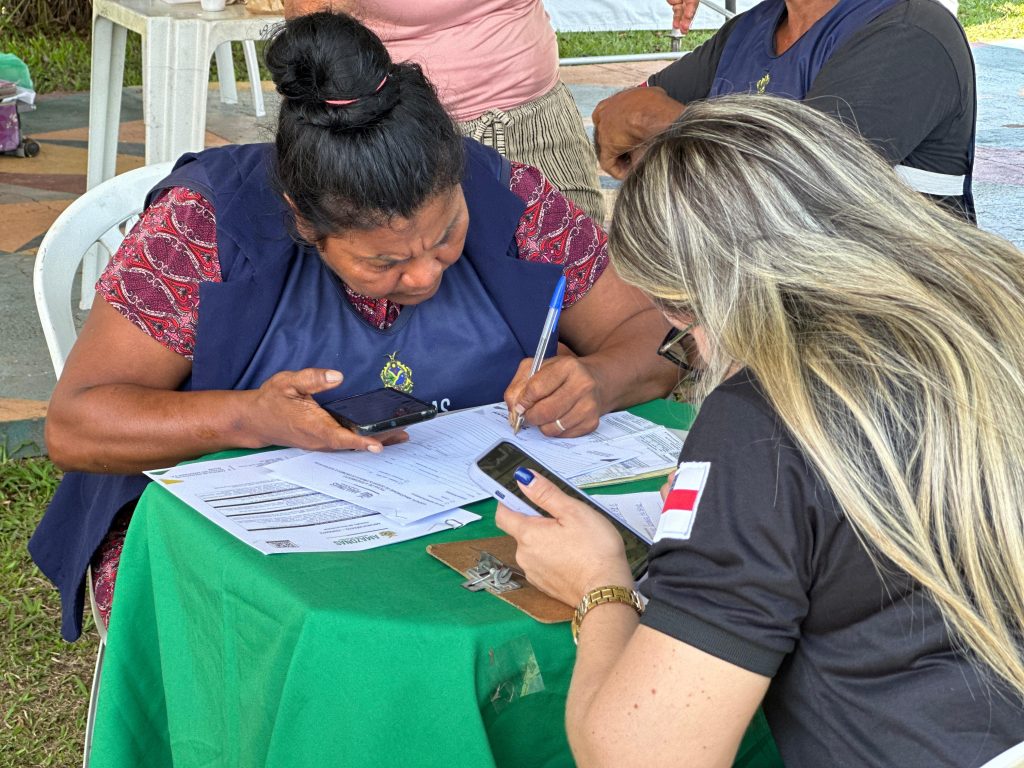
550,327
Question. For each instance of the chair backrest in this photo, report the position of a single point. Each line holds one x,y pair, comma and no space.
101,217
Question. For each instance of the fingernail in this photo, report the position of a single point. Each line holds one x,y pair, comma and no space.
524,476
333,377
520,409
375,448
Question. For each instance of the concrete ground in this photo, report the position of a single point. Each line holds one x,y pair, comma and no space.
34,191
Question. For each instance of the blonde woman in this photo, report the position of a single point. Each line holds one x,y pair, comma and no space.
844,543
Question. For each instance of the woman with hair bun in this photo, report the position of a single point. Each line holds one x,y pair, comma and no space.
842,543
495,65
370,245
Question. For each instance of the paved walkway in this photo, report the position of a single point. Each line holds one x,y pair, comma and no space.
34,191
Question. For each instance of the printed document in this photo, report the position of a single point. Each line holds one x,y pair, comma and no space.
430,474
655,450
639,511
247,500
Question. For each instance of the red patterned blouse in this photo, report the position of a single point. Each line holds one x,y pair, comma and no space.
153,279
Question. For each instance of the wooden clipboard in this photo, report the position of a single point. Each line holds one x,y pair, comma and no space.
463,555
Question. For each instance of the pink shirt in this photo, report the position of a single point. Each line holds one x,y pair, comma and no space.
479,54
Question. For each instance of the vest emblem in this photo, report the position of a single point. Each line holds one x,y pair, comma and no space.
763,82
396,374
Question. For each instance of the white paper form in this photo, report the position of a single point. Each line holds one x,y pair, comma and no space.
566,456
243,497
430,473
639,511
655,450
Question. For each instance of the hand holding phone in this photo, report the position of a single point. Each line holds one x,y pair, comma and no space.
381,410
494,471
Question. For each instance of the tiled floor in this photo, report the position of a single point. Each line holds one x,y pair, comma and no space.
34,191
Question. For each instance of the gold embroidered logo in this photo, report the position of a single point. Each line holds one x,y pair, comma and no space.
396,374
763,82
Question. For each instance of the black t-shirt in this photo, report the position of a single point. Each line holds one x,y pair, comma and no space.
774,580
905,82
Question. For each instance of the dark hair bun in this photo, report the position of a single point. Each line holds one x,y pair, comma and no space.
327,57
381,153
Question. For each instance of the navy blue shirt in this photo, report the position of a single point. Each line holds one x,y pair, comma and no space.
905,82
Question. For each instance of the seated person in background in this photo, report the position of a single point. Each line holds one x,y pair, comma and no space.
495,66
370,241
898,71
843,543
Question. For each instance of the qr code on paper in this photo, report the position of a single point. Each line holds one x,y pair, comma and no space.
283,544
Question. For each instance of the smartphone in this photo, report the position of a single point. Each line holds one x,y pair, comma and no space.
494,471
379,411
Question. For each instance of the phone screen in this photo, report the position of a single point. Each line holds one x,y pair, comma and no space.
380,409
500,464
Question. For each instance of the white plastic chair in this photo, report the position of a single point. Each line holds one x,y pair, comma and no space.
102,217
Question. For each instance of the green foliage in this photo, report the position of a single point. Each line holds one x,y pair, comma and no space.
61,61
573,44
986,20
44,682
56,61
51,16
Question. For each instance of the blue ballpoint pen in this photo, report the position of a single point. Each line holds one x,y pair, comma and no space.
550,324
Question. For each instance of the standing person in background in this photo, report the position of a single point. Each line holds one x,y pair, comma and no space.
843,544
900,72
495,66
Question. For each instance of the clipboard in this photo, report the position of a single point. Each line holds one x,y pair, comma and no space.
463,555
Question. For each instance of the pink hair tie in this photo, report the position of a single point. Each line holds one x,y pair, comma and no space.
346,102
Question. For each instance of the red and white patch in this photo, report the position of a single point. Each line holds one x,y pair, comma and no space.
680,510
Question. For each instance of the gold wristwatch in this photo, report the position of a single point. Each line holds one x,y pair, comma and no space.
601,595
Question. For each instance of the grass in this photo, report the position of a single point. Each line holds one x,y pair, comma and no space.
44,682
59,61
573,44
986,20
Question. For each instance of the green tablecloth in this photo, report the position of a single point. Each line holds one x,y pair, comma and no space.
220,656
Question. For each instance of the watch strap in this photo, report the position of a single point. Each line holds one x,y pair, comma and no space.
601,595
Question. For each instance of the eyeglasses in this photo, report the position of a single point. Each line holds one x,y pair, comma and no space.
673,350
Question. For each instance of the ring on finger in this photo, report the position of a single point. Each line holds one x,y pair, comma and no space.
558,423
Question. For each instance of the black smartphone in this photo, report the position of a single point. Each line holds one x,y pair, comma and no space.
379,411
495,472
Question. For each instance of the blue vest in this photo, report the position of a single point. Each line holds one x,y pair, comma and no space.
279,307
749,64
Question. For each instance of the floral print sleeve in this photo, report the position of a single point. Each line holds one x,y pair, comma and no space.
153,280
555,230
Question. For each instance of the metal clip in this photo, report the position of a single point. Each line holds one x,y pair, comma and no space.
491,574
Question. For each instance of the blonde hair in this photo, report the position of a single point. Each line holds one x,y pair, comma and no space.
887,333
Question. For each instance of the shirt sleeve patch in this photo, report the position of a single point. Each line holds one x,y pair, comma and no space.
680,510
